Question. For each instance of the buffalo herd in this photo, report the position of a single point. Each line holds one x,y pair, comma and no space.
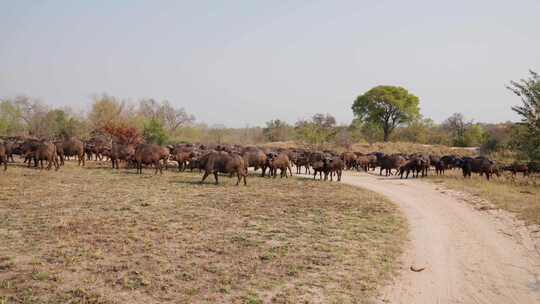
235,160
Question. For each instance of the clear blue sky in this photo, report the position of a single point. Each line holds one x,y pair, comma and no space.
246,62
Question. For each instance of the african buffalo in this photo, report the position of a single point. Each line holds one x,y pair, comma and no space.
216,162
148,154
279,161
72,147
3,156
255,158
120,152
389,162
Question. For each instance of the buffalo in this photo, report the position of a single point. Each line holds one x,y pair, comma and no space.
255,158
120,152
279,161
72,147
148,154
389,162
216,162
3,156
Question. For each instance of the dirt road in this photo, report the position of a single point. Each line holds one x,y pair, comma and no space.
468,255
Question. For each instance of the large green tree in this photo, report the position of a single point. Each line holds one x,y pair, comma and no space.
529,92
386,106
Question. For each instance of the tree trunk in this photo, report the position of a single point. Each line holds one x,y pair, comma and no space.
386,134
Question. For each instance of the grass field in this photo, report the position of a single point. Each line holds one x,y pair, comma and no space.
516,194
93,235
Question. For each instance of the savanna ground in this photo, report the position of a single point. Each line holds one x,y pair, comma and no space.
520,195
94,235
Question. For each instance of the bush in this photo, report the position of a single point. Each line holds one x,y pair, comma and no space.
154,133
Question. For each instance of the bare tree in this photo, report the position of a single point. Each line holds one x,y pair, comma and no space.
165,113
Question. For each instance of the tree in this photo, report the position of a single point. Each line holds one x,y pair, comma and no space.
107,112
529,92
277,130
344,138
123,134
163,112
154,133
11,122
217,133
366,130
319,130
324,120
474,135
386,106
456,126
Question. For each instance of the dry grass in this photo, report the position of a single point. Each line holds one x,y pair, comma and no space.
94,235
520,195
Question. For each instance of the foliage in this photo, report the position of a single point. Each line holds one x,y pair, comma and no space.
386,106
522,142
464,133
423,131
107,112
528,139
23,115
344,138
277,130
123,134
366,131
154,133
474,135
170,118
10,118
318,131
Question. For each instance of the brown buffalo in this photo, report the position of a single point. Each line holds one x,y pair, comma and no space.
480,165
183,158
120,152
279,161
389,162
320,163
255,158
216,162
350,159
3,156
414,164
515,168
10,146
148,154
46,151
335,166
302,160
72,147
28,150
165,154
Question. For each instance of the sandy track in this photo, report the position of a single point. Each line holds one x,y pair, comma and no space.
468,255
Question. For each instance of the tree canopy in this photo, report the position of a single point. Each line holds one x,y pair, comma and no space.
386,106
528,138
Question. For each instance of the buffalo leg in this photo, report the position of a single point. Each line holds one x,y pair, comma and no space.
206,173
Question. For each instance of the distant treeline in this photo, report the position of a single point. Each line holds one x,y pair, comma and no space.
383,113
